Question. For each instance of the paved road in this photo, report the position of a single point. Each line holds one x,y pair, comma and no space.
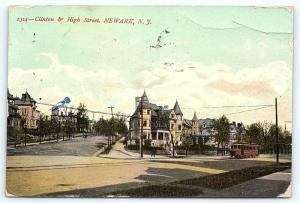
76,147
94,176
68,168
90,176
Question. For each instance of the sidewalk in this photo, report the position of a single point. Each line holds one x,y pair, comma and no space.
77,135
270,186
118,152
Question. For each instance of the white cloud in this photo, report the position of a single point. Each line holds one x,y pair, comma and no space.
96,88
194,85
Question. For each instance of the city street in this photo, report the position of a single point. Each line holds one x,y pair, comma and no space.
56,173
77,146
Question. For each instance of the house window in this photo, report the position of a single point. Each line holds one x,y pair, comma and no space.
145,123
148,112
179,127
24,112
154,136
144,135
160,136
172,126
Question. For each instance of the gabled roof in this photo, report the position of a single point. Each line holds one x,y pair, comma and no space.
195,117
26,99
187,122
177,109
155,109
168,111
153,112
209,122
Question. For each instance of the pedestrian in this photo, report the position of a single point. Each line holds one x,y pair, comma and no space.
154,152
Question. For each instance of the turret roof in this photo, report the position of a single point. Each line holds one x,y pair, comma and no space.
145,98
177,109
195,117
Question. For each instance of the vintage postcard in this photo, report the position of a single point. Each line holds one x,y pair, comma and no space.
149,101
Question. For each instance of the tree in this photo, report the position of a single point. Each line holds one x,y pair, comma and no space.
187,142
55,128
147,143
263,134
13,134
69,128
163,122
44,127
255,134
82,118
103,127
286,141
122,127
222,127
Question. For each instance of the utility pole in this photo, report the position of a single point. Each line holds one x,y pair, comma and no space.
142,128
277,137
109,141
93,124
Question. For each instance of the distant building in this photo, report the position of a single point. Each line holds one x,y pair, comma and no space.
205,129
236,132
62,115
191,128
13,117
159,123
27,109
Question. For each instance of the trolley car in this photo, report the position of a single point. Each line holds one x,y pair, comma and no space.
244,150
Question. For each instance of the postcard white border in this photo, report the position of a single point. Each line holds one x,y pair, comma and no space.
3,88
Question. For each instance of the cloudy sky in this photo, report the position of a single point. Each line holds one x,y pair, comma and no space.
201,56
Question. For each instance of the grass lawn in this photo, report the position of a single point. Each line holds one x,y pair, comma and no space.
192,187
158,191
228,179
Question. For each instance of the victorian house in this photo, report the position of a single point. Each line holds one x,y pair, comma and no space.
205,129
191,128
62,115
156,123
27,109
13,117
